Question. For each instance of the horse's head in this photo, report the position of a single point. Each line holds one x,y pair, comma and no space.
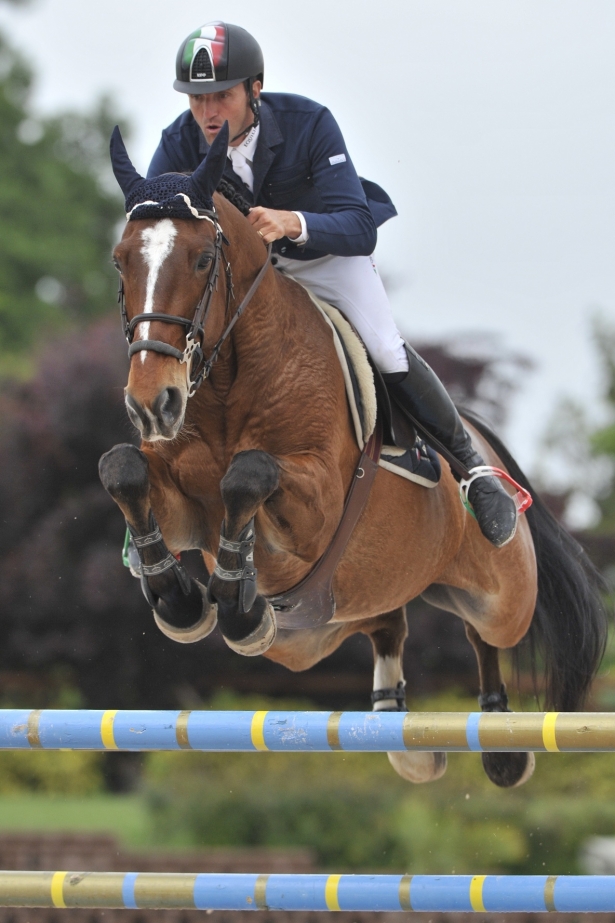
169,260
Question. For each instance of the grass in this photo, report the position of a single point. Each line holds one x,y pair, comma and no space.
124,816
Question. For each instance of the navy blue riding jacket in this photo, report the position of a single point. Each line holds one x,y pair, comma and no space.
300,164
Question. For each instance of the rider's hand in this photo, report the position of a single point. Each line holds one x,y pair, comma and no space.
272,224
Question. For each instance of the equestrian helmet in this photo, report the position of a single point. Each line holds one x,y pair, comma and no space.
216,57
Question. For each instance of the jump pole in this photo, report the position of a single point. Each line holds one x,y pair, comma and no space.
289,732
434,893
277,731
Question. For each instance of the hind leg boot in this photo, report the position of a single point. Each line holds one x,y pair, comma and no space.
389,694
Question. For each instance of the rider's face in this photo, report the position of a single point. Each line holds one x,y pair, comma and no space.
212,110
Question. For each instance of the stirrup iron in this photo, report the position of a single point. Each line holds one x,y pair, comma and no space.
522,498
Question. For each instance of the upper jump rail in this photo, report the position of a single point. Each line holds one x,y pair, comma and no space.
286,731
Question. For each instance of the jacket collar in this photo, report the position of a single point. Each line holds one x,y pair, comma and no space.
270,137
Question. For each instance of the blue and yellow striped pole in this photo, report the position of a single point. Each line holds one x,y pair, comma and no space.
434,893
249,731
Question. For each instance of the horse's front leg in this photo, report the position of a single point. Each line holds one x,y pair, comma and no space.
304,496
247,620
181,608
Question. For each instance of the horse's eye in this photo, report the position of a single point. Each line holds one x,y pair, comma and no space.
116,264
203,261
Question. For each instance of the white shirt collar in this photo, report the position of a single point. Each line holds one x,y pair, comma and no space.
247,148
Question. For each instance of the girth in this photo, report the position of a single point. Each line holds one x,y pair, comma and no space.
311,602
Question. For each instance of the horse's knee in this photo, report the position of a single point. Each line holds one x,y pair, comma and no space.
123,471
251,478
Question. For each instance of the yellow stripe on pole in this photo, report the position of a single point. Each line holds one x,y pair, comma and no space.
258,730
548,732
106,730
550,893
476,893
33,721
331,892
57,889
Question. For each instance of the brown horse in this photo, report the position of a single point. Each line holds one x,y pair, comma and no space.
253,469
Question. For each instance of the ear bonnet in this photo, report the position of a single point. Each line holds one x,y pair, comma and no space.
171,195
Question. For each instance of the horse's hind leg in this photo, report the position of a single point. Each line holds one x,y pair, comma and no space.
388,636
247,620
180,605
504,769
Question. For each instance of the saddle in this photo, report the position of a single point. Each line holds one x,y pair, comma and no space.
311,602
404,452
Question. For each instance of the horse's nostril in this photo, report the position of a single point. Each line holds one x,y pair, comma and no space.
137,415
168,406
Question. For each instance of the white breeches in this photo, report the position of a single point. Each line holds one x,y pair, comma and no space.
352,284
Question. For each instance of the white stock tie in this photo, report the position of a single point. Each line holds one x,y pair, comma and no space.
242,167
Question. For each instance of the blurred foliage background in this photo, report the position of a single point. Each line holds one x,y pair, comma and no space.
77,633
57,218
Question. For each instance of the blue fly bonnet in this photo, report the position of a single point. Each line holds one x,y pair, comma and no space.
171,195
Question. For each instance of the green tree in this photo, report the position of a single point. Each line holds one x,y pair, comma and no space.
576,469
602,439
57,216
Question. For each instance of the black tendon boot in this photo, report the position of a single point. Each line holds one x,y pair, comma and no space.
421,394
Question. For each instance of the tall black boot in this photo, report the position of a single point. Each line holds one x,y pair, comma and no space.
420,393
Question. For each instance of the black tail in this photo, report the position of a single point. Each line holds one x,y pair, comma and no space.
569,626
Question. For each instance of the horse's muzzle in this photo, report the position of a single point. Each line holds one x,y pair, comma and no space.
160,421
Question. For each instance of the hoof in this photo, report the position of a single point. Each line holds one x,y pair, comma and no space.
509,770
196,632
418,767
261,639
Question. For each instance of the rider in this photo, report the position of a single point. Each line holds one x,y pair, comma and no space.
288,159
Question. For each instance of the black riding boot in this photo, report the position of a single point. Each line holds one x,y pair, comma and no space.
421,393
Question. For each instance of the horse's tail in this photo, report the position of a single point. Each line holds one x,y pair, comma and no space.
569,626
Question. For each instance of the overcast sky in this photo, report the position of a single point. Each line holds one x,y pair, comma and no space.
489,122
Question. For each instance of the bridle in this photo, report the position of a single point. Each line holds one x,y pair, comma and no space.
198,367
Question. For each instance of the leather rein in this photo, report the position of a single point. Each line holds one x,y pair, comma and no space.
198,367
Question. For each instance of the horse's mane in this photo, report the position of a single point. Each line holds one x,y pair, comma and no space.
234,196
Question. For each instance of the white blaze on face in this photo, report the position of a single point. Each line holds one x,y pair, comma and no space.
157,244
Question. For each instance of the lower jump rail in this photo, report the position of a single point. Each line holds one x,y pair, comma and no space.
434,893
285,731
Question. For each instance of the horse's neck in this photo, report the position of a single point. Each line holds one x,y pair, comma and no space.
250,355
261,326
255,348
278,369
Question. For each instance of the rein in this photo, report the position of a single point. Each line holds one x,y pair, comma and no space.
197,367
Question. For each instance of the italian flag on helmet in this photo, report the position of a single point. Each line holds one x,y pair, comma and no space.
216,57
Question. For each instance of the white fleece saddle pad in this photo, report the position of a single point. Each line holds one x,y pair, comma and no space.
350,347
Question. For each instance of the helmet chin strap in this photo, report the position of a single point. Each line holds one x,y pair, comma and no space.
255,112
244,132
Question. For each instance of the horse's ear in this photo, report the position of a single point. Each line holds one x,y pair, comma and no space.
125,173
209,173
